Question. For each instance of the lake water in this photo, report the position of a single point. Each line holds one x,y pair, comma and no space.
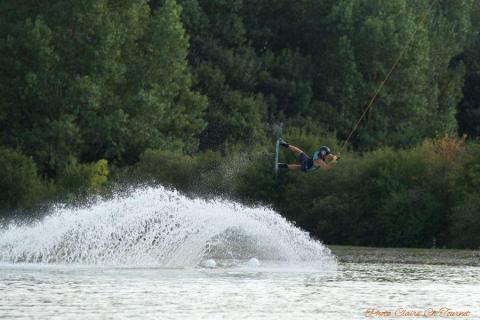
81,292
151,253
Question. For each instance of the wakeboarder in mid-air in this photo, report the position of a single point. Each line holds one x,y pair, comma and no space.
322,158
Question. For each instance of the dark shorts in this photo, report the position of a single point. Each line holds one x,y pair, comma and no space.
305,162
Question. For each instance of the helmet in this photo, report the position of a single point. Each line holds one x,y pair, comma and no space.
324,151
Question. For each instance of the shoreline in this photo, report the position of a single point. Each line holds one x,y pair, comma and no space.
456,257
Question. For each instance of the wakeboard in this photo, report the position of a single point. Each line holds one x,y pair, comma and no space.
277,150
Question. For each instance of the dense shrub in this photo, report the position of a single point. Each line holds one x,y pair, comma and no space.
465,223
465,216
169,168
78,179
256,181
219,172
208,172
20,184
418,197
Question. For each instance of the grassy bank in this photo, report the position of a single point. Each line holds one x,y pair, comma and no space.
352,254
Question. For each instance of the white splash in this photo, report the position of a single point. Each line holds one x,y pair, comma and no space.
156,226
209,263
253,262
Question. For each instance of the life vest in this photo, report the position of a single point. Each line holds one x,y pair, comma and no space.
316,156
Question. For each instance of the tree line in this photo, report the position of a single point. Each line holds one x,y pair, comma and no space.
95,91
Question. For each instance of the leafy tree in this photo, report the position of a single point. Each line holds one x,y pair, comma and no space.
166,112
286,82
226,70
352,45
371,35
96,79
35,116
449,32
468,115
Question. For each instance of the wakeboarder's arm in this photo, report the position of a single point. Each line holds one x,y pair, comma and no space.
324,165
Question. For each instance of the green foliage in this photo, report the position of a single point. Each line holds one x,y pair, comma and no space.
233,116
465,223
286,82
145,84
165,112
79,179
406,206
19,181
166,167
209,172
373,33
226,68
468,115
416,197
96,80
469,179
266,188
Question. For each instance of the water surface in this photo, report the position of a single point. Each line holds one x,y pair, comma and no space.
262,292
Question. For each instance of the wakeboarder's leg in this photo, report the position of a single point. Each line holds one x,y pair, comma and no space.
289,166
290,147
